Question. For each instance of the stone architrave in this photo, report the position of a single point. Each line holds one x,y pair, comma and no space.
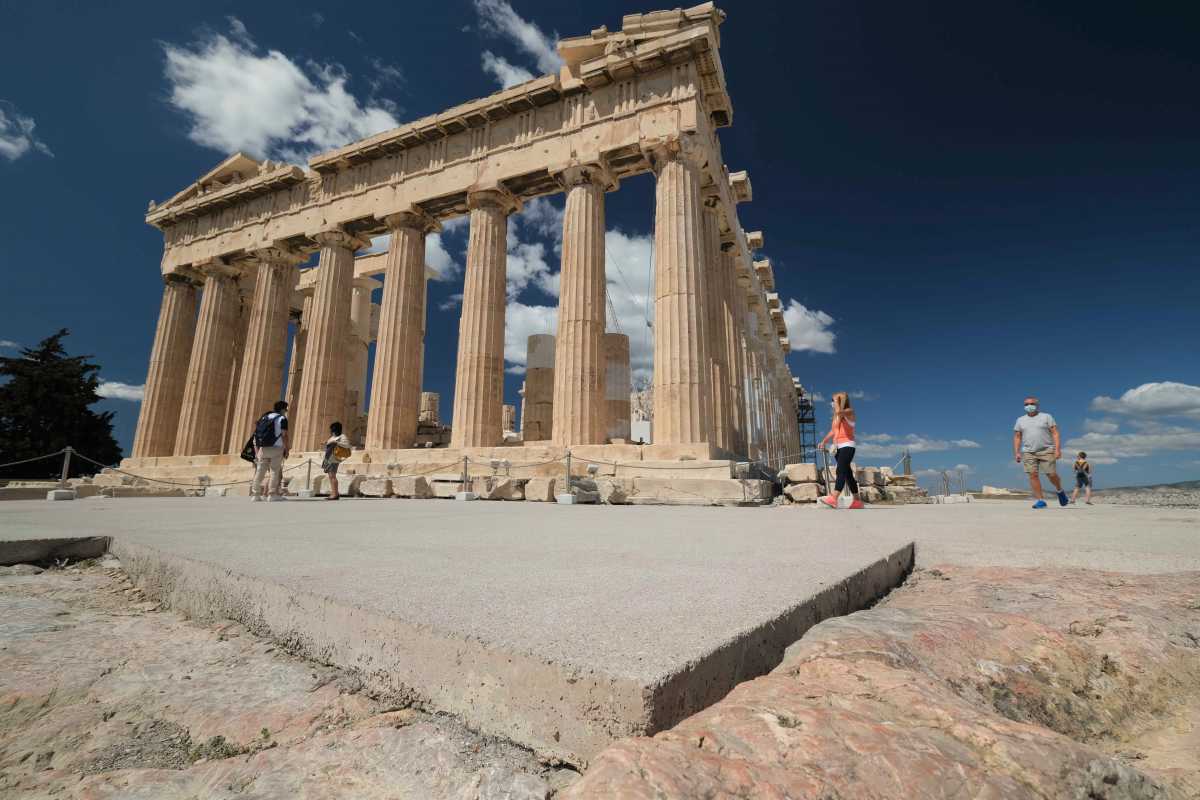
158,421
322,397
396,385
617,385
202,415
479,382
681,386
714,326
579,404
537,419
266,341
299,342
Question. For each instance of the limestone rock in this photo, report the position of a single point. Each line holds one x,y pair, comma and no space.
143,491
799,473
21,569
803,492
699,491
414,486
540,490
499,488
612,491
870,494
376,487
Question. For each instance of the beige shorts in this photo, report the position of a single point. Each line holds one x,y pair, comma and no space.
1043,459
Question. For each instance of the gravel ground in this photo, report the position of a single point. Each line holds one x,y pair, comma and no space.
102,695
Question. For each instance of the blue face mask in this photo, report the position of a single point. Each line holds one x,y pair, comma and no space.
1030,407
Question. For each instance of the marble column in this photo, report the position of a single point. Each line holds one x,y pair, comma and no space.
158,421
579,406
537,418
479,381
261,376
299,342
714,326
730,315
358,344
396,386
508,418
429,413
617,385
237,352
681,387
210,368
322,396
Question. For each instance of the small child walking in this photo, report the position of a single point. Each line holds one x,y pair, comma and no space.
1083,478
337,450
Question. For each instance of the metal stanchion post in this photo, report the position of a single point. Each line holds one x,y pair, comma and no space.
62,482
466,493
565,496
308,474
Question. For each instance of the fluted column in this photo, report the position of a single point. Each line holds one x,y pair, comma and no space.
681,384
537,415
579,406
237,351
299,343
479,381
617,385
730,316
714,326
322,397
358,344
266,342
396,386
158,421
210,368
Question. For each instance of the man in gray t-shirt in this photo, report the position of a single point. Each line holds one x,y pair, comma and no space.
1036,445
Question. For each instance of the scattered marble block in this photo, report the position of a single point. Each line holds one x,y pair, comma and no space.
414,486
60,494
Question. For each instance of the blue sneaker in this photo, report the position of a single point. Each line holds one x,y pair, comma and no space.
1063,499
1040,504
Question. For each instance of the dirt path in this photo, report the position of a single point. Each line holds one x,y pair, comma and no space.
102,696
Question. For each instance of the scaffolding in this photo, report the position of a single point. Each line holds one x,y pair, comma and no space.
806,420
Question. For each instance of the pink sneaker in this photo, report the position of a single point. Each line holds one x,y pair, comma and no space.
857,504
830,501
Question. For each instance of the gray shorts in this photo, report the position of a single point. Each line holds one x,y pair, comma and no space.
329,466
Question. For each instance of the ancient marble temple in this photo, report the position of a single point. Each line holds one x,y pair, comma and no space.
650,97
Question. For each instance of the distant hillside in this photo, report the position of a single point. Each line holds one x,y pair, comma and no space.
1180,486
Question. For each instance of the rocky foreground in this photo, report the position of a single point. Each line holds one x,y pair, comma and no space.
1171,495
1005,683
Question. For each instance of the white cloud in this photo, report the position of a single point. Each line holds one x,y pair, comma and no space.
498,18
1100,426
16,134
115,390
883,445
10,344
1163,399
237,98
442,265
506,73
808,329
521,322
629,258
936,472
1108,448
453,301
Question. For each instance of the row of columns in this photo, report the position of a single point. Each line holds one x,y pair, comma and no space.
715,379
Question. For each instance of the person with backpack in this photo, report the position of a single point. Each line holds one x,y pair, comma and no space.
270,449
337,450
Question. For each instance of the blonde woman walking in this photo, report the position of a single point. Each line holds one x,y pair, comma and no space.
841,431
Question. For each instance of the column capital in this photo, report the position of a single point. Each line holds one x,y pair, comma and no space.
337,237
412,218
216,267
679,147
577,173
494,197
277,253
181,277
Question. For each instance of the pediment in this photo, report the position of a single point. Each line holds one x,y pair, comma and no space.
235,169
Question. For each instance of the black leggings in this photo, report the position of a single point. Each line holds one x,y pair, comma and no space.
845,474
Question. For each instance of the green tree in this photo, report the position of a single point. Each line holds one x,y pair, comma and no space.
44,406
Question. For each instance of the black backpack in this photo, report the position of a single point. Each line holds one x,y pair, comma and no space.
264,430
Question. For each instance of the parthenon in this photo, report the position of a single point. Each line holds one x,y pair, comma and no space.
647,98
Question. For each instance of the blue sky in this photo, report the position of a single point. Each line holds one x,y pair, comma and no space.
963,205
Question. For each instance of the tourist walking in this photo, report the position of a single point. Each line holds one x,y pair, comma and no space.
270,449
1083,478
1036,445
841,431
337,450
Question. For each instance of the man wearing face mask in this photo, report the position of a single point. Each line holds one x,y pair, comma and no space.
1036,445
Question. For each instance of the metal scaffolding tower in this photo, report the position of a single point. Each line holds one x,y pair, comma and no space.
806,418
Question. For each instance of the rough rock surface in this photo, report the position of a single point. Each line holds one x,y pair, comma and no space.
803,492
415,486
102,696
376,487
540,490
964,683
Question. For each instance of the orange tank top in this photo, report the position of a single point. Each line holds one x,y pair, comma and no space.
843,431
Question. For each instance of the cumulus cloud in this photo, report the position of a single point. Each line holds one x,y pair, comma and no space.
17,135
883,445
1162,399
115,390
520,322
1108,448
505,72
237,97
442,266
629,272
808,329
9,344
497,18
936,472
1100,426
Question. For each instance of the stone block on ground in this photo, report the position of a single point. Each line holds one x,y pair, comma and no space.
143,491
902,480
799,473
376,487
499,487
414,486
540,490
870,494
612,491
803,492
445,489
699,491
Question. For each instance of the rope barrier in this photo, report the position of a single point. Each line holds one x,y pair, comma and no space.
180,483
35,458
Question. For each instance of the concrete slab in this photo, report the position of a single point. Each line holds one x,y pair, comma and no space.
561,628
